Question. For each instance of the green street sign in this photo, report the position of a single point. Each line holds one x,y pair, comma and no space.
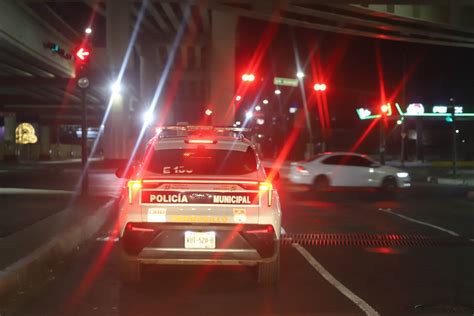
285,82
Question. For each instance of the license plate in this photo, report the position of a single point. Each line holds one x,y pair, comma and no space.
199,240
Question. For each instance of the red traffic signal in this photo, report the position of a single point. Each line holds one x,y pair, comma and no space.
385,109
248,77
82,54
320,87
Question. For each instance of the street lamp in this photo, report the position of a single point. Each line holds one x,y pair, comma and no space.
265,101
116,88
248,77
147,117
88,30
277,92
300,75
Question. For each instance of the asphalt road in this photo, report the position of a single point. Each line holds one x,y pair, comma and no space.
31,194
433,276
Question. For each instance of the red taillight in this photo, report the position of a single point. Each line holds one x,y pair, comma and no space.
132,228
266,187
301,169
200,141
266,230
133,187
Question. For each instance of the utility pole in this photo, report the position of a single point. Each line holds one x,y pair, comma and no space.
455,152
84,153
403,135
83,83
452,111
382,142
384,109
82,58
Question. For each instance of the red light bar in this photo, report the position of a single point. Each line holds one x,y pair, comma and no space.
266,230
142,229
131,227
200,141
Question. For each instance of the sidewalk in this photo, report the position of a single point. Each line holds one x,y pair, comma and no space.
42,219
29,254
41,165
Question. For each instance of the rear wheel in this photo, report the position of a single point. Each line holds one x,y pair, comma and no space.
130,270
269,272
321,183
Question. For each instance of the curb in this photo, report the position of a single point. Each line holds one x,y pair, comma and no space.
17,276
449,181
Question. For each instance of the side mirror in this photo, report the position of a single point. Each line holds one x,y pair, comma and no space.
276,176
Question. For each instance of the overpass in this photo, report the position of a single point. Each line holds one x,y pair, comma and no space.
177,57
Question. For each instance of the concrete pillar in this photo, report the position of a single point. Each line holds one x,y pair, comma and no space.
118,32
222,67
117,129
45,141
9,137
10,126
148,75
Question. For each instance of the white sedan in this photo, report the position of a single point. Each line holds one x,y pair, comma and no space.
347,170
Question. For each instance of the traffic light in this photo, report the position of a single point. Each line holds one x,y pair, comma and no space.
320,87
52,46
57,49
248,77
81,56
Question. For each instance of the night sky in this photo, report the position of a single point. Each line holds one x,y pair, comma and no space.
348,64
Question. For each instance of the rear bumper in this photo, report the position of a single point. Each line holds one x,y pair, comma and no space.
234,245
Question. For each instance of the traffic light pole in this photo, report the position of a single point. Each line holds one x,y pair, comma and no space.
84,154
382,141
455,153
402,144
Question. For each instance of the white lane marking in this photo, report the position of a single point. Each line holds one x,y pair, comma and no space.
334,282
387,210
32,191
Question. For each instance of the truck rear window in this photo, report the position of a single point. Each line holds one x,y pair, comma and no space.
203,161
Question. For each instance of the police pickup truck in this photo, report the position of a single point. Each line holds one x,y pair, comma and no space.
199,196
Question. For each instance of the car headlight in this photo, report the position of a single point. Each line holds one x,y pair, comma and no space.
402,174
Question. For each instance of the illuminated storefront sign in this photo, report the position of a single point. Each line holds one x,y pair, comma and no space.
440,109
415,109
25,134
